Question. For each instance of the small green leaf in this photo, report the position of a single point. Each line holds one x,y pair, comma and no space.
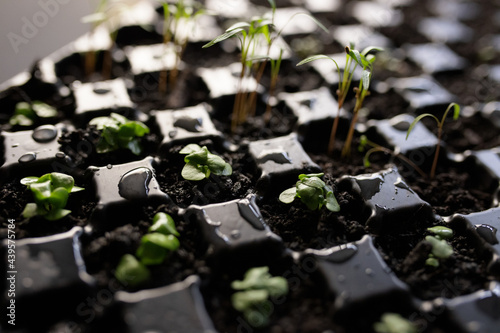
77,189
135,147
131,272
228,170
243,300
443,232
287,196
30,210
315,57
417,119
41,191
432,262
43,110
56,214
21,120
366,76
197,157
331,202
140,129
58,198
29,180
354,54
440,248
216,164
394,323
370,49
62,180
314,182
223,37
310,175
190,148
164,224
155,247
192,172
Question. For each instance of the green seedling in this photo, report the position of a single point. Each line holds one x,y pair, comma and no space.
26,114
441,249
313,192
200,163
394,323
163,224
119,132
365,59
131,272
176,20
108,14
440,124
153,250
364,142
250,35
155,247
51,192
252,297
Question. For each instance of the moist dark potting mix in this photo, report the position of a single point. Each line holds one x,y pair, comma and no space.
257,166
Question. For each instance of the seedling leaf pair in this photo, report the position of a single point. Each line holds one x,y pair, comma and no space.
154,248
254,291
441,249
119,132
200,163
313,192
26,114
50,193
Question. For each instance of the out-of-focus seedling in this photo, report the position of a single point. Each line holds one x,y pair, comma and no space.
440,124
252,297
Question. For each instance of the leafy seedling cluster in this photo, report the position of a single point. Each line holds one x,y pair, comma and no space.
200,163
154,249
51,192
178,18
312,191
394,323
26,114
119,132
440,124
441,249
254,291
251,35
354,58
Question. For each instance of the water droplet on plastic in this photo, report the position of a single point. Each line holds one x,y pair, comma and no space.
109,166
341,278
235,234
135,184
172,134
370,186
60,155
277,156
488,233
26,158
101,89
250,212
44,133
189,124
343,254
402,125
15,145
369,272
